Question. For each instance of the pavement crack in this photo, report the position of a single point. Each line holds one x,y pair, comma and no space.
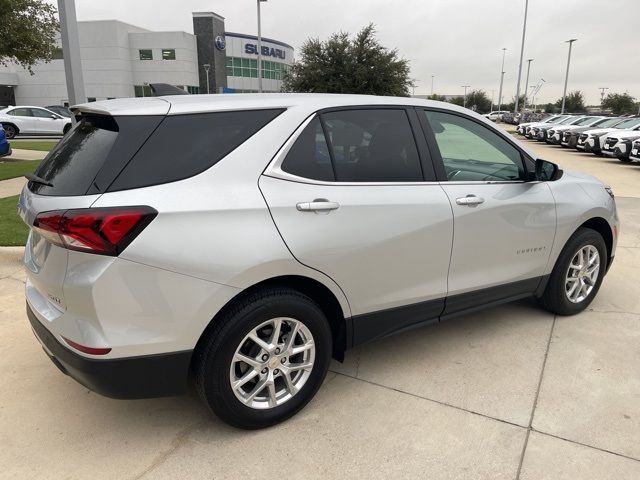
438,402
178,441
535,400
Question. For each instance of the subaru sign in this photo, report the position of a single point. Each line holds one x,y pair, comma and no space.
252,49
221,42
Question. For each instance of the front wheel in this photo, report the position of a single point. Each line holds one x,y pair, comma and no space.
265,359
624,160
578,273
66,129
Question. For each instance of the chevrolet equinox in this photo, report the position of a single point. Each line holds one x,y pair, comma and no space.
239,242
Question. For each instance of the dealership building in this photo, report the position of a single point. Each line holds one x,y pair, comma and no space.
121,60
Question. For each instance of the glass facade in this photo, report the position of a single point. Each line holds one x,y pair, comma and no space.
248,67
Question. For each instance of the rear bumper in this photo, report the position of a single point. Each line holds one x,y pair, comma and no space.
145,376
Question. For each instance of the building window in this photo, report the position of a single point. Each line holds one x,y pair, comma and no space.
193,90
168,54
91,99
248,67
142,91
57,54
146,54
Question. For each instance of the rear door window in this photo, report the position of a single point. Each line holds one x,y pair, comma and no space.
309,156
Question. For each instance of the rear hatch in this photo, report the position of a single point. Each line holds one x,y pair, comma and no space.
73,176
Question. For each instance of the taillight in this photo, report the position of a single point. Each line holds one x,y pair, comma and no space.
105,231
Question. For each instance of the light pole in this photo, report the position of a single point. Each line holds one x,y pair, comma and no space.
602,95
524,30
432,84
526,83
71,51
493,94
206,67
566,77
464,101
259,49
533,87
504,50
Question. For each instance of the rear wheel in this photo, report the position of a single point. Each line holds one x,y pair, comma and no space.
10,131
624,160
265,359
578,273
66,129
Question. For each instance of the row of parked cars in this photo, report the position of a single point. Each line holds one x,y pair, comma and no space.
617,137
32,120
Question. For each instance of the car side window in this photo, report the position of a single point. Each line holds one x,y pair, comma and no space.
36,112
372,145
472,152
20,112
309,155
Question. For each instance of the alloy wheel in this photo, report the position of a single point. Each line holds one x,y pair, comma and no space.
582,274
272,363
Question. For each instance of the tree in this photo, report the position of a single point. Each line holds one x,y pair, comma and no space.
480,100
28,31
573,103
512,105
457,100
435,96
343,65
549,108
620,103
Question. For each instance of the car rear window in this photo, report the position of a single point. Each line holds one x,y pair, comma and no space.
103,153
185,145
96,142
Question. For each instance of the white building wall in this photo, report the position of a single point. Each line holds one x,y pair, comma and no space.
181,71
111,65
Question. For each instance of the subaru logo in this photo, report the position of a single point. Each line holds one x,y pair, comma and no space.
221,42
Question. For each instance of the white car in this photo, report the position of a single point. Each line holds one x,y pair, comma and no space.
634,156
495,115
29,120
554,135
521,128
617,144
593,140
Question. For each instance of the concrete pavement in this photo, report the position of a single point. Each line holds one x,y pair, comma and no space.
20,154
510,392
12,186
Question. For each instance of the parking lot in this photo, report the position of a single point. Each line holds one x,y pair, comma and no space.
509,392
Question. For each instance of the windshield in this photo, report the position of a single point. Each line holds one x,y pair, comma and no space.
551,119
632,122
607,122
587,121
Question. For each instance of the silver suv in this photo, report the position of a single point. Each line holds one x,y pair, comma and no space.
241,241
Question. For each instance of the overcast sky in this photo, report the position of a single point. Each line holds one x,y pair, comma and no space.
458,41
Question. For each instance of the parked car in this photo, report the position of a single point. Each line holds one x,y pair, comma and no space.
495,115
618,144
528,128
570,137
539,132
554,134
257,257
5,147
593,140
634,156
27,120
523,125
60,110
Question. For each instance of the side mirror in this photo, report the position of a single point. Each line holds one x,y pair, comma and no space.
547,171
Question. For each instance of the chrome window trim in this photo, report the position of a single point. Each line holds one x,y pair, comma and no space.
274,169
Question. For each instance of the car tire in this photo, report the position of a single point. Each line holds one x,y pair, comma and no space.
571,271
9,131
216,361
66,129
624,160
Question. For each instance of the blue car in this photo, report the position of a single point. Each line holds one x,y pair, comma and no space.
5,148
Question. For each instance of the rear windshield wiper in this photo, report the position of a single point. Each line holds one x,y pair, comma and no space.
36,179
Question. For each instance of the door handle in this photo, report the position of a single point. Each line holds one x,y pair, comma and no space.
469,200
318,205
